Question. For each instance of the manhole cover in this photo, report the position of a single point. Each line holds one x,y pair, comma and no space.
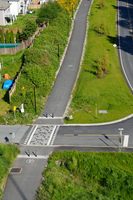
16,170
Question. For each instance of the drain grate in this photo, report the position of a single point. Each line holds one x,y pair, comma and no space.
15,170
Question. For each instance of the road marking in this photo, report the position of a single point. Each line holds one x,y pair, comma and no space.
32,156
90,135
126,139
54,136
30,161
32,135
28,136
51,135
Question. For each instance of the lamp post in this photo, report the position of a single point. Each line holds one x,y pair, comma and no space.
35,86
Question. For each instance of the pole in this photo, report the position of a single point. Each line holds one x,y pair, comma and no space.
58,51
35,98
96,110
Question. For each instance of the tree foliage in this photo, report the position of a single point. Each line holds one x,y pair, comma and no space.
29,29
18,37
2,37
7,39
48,12
12,37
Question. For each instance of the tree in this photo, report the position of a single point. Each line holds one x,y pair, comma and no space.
7,39
2,37
12,37
18,37
29,29
48,12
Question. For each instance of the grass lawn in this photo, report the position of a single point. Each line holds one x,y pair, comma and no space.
109,92
88,175
9,153
11,65
21,19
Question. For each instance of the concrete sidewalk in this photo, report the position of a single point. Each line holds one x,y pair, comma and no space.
61,91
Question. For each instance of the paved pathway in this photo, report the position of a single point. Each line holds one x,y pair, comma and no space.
60,94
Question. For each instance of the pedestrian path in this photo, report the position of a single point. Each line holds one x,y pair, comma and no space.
59,97
41,135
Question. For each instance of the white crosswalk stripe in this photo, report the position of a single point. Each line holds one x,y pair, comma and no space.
41,135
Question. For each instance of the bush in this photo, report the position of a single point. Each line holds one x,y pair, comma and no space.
12,37
2,37
18,37
48,12
29,30
7,39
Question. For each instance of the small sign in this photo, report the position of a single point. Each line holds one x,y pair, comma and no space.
14,108
22,108
103,111
13,135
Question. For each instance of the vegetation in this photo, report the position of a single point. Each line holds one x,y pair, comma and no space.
101,85
12,37
88,175
69,5
2,37
29,29
48,12
7,38
18,37
11,65
7,157
41,63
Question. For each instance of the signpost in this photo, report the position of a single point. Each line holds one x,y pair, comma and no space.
14,108
22,109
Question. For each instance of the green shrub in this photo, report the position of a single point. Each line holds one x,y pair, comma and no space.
29,29
18,37
48,12
12,37
7,38
2,37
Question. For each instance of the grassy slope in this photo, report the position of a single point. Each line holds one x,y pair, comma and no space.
9,153
88,175
111,92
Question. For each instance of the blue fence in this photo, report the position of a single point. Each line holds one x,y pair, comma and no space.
9,45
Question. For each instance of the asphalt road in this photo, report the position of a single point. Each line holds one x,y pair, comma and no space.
61,91
125,39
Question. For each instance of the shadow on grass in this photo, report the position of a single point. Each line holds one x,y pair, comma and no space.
112,40
6,97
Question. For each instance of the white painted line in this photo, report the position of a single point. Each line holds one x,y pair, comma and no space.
54,136
32,156
126,139
51,135
32,135
49,118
